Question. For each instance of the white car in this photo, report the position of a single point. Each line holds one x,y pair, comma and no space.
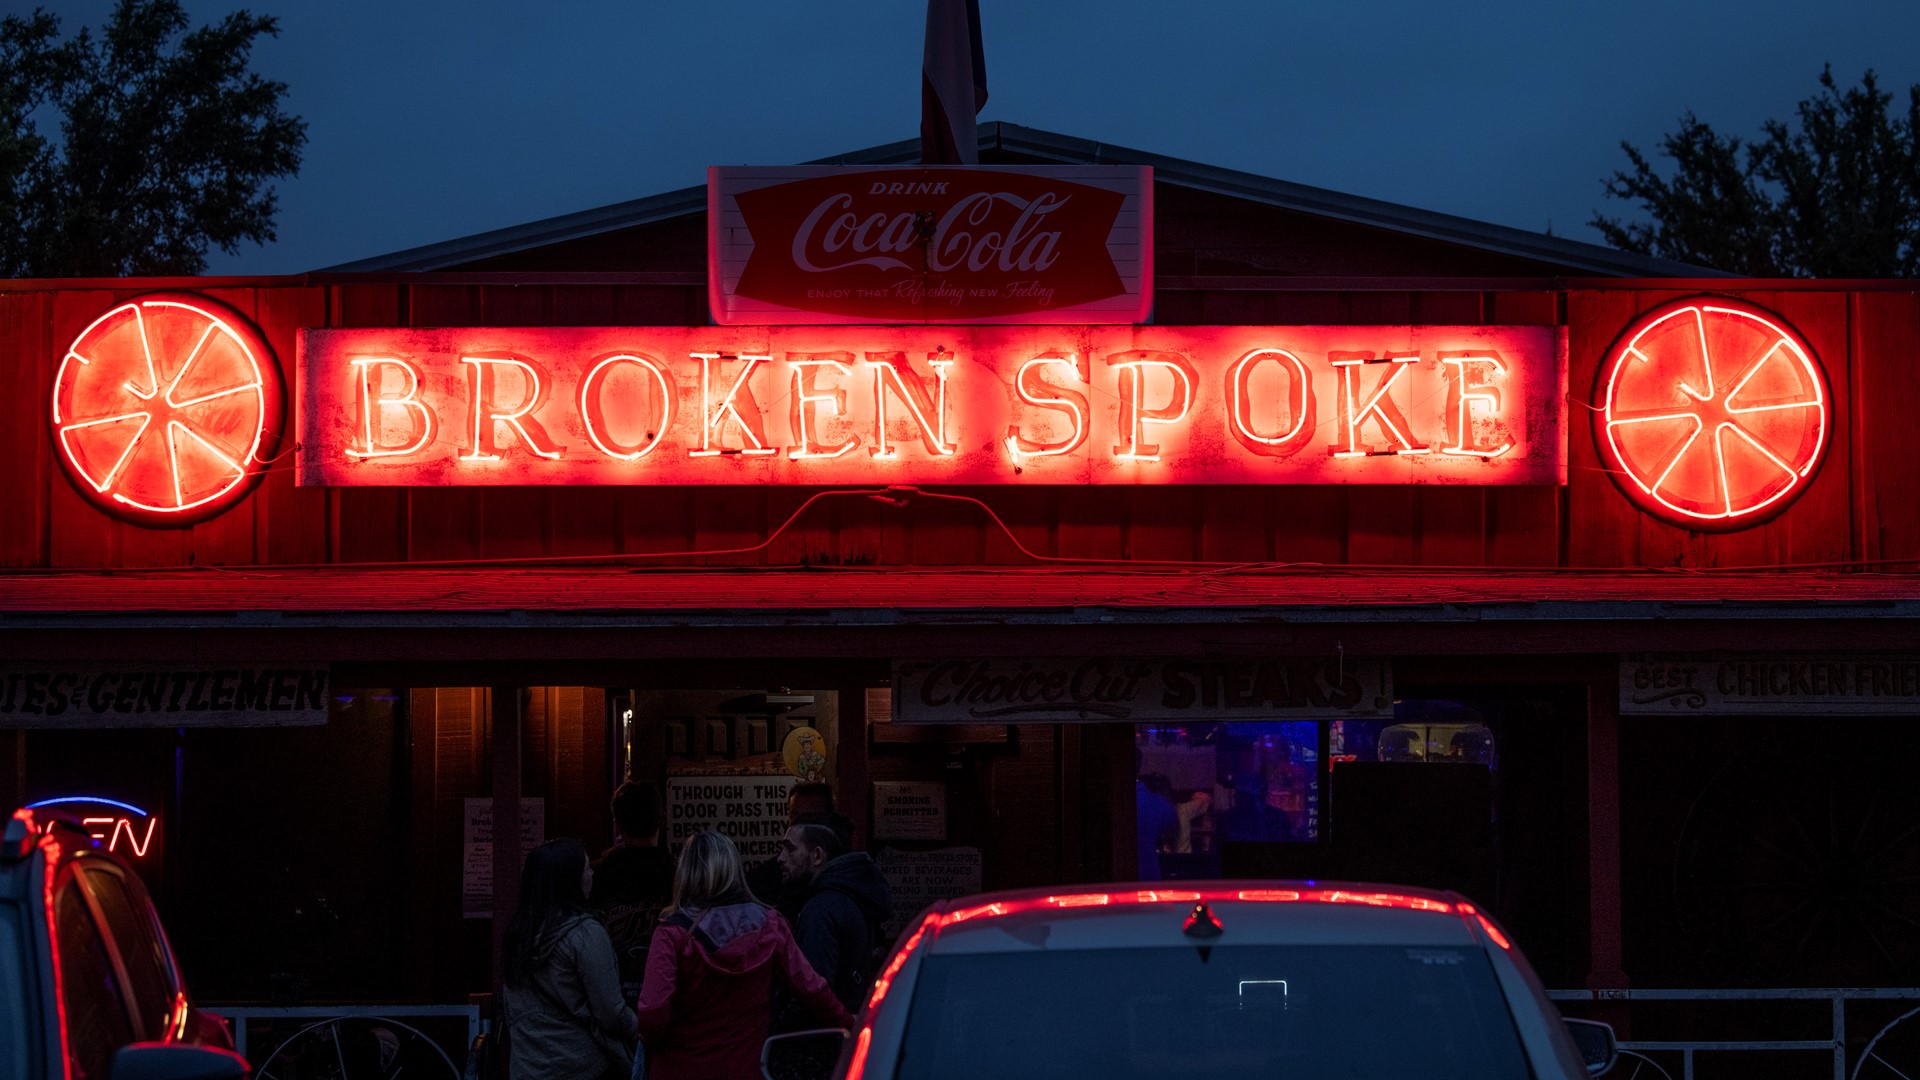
1203,980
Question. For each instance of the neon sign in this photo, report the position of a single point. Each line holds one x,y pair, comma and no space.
1714,413
165,409
120,827
952,404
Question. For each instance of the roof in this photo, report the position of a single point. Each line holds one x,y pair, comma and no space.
961,596
1046,146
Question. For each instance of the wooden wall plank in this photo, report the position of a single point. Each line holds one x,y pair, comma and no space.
449,523
294,525
809,540
944,533
1524,308
583,521
1818,527
1523,525
1380,524
727,518
1603,528
232,538
1163,523
1234,522
656,519
1091,524
79,534
367,524
1886,343
28,358
1448,308
857,530
1309,524
1453,525
1029,515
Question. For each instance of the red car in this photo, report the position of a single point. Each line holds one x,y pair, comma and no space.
89,989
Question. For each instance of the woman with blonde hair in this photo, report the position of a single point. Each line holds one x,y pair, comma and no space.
705,1004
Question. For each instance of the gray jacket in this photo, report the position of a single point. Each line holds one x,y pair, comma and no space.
570,1022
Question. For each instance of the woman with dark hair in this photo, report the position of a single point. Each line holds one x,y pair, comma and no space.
564,1013
705,1005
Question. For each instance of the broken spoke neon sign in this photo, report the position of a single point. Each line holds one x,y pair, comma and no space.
964,405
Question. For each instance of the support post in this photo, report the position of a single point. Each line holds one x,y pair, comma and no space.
507,710
850,762
1606,970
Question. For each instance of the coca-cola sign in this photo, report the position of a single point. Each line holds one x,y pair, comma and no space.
822,244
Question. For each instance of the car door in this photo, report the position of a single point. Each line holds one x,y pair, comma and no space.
152,987
96,1018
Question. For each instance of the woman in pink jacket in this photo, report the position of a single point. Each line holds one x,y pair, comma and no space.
704,1007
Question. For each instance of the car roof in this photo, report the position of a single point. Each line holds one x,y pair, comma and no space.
1156,914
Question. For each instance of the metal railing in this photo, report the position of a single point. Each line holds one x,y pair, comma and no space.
1835,1045
239,1015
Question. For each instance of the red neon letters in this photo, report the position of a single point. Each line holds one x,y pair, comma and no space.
974,405
1714,413
165,408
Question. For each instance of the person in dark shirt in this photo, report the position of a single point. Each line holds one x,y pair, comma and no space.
633,880
841,899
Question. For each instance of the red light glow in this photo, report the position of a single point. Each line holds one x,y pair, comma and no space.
1714,413
164,408
882,405
1493,932
109,830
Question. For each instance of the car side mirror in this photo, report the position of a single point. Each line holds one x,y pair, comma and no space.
800,1055
172,1061
1594,1039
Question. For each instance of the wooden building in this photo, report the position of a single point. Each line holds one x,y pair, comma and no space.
1646,741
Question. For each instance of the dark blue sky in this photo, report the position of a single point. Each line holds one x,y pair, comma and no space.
435,121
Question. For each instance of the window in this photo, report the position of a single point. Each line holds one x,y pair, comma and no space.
149,976
1365,1012
96,1016
1234,782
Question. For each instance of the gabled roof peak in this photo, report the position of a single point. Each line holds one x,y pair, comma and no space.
1046,146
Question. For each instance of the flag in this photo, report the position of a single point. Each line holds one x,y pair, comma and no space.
953,84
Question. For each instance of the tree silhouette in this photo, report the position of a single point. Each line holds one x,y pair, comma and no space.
166,146
1834,194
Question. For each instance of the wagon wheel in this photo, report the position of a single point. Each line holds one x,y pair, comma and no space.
1803,870
164,409
1634,1065
1712,413
1894,1051
358,1048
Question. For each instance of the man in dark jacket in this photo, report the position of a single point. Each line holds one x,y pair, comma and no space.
767,879
633,880
841,900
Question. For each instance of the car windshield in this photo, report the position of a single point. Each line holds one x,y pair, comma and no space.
1231,1012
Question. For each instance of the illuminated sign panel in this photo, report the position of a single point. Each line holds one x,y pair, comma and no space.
120,827
1714,413
947,404
165,409
830,244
